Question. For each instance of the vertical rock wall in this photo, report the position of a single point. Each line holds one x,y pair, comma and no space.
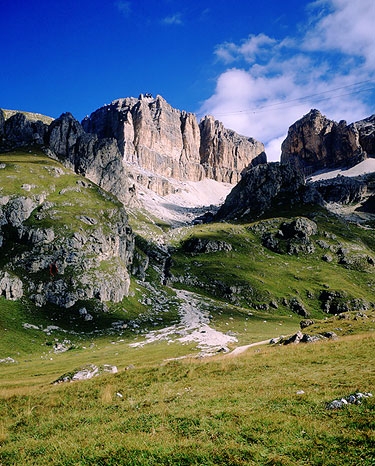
154,136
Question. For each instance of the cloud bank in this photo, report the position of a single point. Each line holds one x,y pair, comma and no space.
268,84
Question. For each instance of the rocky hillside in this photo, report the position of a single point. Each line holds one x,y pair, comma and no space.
314,142
170,143
63,240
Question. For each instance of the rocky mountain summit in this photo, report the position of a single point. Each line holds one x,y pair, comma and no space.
169,143
314,142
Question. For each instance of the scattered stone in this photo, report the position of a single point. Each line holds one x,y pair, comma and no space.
30,326
355,398
28,187
86,373
300,392
8,360
306,323
62,347
203,245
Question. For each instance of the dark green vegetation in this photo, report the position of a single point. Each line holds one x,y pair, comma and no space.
257,280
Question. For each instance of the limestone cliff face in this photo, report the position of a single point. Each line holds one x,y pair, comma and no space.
225,154
314,142
154,136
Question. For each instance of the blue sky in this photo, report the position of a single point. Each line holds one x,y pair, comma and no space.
256,66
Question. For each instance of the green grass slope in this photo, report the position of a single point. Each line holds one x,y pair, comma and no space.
334,268
268,406
265,406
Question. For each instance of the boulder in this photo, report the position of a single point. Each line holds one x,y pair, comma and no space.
299,228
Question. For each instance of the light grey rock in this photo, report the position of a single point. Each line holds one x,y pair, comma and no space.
8,360
19,209
87,372
355,398
203,245
10,286
169,143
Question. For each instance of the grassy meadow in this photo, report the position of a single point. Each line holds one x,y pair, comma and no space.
166,405
266,406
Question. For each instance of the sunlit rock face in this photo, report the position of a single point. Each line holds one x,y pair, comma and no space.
314,142
154,136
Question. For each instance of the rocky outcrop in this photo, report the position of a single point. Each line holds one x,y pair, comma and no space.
10,286
85,257
203,245
342,190
97,159
261,188
86,372
292,237
314,142
154,136
366,130
19,131
354,399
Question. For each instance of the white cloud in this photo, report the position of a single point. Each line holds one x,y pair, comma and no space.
348,28
267,92
173,19
249,49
